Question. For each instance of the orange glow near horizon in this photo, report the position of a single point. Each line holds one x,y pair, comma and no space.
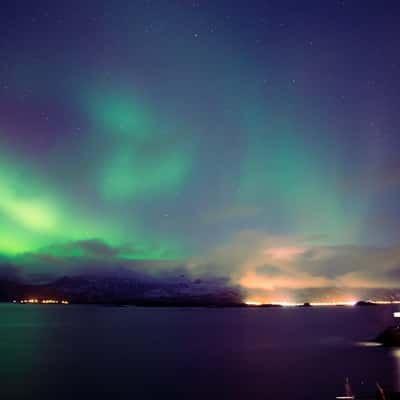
334,303
320,303
253,303
252,280
292,304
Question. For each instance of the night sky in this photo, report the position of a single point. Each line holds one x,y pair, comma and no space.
256,140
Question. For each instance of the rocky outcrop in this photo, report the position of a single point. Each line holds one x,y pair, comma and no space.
390,337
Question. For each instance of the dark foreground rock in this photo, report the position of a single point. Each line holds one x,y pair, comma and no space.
390,337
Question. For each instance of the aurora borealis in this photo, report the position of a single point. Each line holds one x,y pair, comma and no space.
257,141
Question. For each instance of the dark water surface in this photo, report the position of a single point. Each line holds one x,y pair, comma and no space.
84,352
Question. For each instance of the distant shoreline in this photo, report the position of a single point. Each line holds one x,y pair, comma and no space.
179,304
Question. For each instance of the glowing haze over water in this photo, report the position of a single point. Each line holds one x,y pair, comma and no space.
257,142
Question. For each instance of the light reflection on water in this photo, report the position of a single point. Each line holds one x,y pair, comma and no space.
369,344
21,335
151,353
395,353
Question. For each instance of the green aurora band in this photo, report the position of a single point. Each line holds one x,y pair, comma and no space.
33,217
168,144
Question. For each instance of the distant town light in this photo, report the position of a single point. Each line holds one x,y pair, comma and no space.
43,301
253,303
291,304
286,304
335,303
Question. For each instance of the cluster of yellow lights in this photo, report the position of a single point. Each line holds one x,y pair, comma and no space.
334,303
319,304
43,301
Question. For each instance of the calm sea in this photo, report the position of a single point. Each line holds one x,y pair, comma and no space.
85,352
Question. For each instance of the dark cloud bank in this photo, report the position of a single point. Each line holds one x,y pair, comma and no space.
93,272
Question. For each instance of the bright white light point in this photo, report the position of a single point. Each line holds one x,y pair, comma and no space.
396,314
